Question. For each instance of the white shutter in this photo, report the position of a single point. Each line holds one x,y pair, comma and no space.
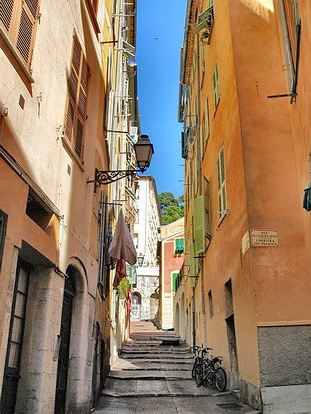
221,173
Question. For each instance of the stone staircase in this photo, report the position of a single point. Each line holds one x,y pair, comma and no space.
153,363
153,375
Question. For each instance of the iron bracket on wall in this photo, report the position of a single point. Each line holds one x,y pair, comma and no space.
108,177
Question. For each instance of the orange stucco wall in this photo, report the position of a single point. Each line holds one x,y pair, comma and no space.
266,171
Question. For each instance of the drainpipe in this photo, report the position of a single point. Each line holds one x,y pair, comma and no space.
193,319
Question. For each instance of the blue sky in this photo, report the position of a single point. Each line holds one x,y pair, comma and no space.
160,32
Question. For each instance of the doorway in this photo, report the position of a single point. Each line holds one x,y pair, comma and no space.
136,306
15,340
63,356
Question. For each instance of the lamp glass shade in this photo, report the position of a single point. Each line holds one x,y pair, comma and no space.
140,260
144,151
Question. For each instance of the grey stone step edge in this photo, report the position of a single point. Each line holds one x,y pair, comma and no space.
169,395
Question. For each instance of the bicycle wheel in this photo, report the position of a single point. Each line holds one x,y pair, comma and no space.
209,376
220,379
199,375
193,369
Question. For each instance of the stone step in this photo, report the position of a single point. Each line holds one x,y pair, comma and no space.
162,362
155,388
156,356
156,350
151,375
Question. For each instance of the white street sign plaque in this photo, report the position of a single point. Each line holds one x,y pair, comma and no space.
264,238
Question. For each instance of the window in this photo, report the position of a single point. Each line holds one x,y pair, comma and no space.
104,240
290,26
184,145
228,298
77,99
210,304
174,282
221,173
131,271
216,86
18,20
37,210
3,222
135,240
179,246
206,21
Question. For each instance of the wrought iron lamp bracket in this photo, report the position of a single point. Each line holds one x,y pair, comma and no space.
108,177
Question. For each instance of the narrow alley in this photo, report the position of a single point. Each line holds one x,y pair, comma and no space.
153,375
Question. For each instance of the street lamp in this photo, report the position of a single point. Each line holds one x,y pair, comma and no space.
140,259
143,151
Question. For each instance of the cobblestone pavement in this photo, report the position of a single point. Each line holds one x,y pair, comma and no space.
154,377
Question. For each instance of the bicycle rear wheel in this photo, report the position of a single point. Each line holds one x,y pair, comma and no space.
194,368
220,379
199,375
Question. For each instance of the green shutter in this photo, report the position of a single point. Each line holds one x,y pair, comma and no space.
199,225
184,145
179,246
192,267
174,282
208,232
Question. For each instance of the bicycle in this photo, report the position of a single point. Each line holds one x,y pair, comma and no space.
209,371
197,368
196,350
215,375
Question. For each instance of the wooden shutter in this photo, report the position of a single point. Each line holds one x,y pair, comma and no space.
221,173
6,14
199,226
77,98
18,19
25,37
3,222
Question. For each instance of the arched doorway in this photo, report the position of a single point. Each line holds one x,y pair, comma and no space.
65,332
154,305
136,306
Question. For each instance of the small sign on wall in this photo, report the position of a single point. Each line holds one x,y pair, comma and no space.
264,238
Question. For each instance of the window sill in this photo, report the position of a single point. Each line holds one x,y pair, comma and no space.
13,56
68,148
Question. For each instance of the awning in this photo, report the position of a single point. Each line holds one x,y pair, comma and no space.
122,245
